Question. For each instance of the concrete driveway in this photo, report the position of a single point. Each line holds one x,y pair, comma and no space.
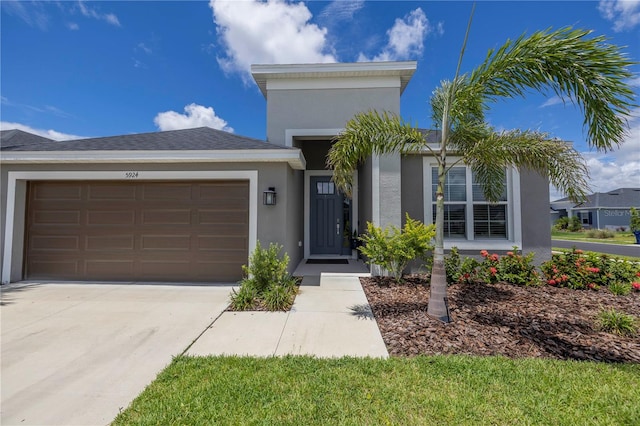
79,353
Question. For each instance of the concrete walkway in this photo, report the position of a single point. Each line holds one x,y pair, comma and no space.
330,317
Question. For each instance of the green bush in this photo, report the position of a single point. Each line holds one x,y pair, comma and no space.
575,270
620,289
599,233
279,297
245,298
512,268
612,321
460,270
266,283
575,224
561,224
393,249
634,222
266,267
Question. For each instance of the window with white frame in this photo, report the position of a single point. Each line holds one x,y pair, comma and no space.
467,213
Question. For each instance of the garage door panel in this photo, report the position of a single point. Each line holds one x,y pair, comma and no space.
114,217
56,217
166,242
111,192
56,268
137,231
211,217
117,269
109,242
215,242
167,192
55,242
166,217
214,192
66,191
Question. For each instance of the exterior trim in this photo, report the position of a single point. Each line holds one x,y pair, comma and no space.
307,204
514,224
292,156
291,134
333,83
14,177
267,73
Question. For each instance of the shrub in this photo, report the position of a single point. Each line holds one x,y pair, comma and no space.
245,298
612,321
460,271
575,270
599,233
515,268
561,224
266,281
266,267
512,268
619,288
393,249
575,224
634,221
279,297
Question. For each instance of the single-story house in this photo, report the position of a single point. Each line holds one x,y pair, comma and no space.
601,210
190,205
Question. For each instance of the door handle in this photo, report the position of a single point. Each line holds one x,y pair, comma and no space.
338,227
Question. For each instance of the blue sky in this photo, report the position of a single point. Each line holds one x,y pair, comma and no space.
96,68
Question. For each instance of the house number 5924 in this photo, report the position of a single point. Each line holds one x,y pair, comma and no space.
130,175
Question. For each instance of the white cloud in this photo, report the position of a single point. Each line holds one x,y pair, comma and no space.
552,101
341,10
406,38
33,14
144,48
194,116
618,168
254,32
73,26
625,14
109,18
51,134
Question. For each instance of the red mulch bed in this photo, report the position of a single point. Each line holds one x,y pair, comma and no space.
501,319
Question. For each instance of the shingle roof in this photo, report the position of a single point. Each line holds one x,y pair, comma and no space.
198,139
10,139
621,197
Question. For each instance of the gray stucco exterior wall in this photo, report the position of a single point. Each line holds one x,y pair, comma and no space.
281,223
323,108
534,208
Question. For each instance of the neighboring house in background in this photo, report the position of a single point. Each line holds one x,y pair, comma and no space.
602,210
190,205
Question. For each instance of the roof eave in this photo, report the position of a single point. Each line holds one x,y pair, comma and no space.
402,69
294,157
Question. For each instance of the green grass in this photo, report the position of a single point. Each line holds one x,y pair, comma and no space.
616,256
441,390
618,238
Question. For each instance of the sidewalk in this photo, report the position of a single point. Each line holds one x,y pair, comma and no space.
329,318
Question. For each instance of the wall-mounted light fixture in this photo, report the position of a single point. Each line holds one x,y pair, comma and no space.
269,197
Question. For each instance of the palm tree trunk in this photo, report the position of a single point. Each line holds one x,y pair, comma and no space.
438,307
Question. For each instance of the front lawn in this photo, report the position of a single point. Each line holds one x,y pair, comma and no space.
401,391
618,237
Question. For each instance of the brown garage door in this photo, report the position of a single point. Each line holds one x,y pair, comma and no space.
137,231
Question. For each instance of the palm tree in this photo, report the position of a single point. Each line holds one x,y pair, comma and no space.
587,71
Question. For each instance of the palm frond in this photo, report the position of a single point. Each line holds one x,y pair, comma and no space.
370,133
589,72
558,160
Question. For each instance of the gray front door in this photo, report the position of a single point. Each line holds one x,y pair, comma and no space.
326,205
